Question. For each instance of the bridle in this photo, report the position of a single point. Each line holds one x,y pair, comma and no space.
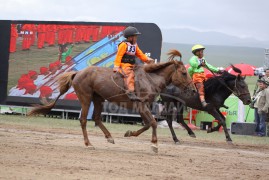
176,71
236,92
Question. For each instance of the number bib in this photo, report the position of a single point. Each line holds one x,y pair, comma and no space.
131,49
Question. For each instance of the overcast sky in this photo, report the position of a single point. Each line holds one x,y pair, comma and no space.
241,18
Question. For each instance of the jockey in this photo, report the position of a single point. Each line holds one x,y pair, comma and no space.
125,59
196,70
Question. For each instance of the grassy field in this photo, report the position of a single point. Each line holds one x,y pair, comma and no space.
21,62
74,125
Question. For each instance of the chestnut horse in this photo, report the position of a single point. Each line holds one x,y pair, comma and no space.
98,84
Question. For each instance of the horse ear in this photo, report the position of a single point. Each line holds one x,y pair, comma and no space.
241,77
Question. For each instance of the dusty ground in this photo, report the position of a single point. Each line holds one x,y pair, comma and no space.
32,153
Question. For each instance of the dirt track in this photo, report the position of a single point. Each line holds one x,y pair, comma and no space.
60,154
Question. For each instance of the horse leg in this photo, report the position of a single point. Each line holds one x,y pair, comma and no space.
85,100
182,122
98,106
149,120
169,121
217,115
216,128
223,123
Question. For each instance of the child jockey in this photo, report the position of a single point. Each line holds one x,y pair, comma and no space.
196,70
125,59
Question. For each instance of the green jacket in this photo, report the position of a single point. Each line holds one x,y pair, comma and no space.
194,63
65,54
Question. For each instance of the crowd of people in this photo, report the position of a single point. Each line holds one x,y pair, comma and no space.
43,84
53,34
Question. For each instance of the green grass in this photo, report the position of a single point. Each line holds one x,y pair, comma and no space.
21,62
74,125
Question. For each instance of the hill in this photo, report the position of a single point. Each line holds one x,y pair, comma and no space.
190,36
219,55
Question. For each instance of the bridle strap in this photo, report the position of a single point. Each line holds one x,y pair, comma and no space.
238,94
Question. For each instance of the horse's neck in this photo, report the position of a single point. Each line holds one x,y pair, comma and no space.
162,77
166,73
221,95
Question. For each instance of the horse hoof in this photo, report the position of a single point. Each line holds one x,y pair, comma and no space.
154,148
128,133
177,142
192,135
111,140
209,130
229,142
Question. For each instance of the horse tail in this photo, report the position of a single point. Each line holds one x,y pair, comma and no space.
64,83
173,53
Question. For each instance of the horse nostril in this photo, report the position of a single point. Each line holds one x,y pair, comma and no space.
193,91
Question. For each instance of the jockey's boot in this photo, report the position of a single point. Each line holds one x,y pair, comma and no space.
131,95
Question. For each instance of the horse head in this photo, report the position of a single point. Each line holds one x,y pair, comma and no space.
180,77
238,86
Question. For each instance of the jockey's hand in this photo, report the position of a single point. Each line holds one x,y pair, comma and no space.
115,69
203,64
220,70
150,61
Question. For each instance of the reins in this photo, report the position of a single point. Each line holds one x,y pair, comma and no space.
238,94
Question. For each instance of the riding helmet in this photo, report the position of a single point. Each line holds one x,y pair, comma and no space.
130,31
196,48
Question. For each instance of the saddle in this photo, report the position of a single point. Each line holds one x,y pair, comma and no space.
142,84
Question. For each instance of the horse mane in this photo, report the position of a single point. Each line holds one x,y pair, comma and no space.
212,85
172,54
154,67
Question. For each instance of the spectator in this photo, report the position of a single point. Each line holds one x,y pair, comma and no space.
45,92
13,38
30,90
32,75
41,29
266,76
44,71
27,31
71,96
262,106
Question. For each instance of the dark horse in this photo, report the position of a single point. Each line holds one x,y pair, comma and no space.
217,90
98,84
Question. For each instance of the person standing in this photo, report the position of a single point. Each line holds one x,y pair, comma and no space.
41,29
13,38
266,76
27,32
51,33
262,107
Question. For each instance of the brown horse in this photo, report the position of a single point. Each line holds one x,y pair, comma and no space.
98,84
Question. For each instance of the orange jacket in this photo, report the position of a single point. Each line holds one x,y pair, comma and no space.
122,50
